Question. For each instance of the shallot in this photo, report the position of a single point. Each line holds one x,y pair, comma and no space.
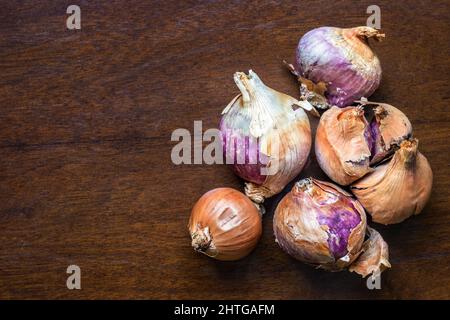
225,224
397,189
320,224
336,66
266,136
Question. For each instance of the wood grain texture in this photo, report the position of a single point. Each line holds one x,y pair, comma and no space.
85,123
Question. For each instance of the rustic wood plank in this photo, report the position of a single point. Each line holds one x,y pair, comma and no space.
85,124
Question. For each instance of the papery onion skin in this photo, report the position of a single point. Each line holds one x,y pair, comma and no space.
261,124
225,224
375,256
389,128
347,146
397,189
320,224
342,60
341,146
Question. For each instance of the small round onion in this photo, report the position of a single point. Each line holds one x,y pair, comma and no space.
342,61
225,224
320,224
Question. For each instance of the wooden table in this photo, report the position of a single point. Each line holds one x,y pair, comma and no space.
86,118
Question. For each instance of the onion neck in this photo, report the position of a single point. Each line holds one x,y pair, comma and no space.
407,153
352,120
250,86
351,114
364,33
357,40
304,185
308,187
380,113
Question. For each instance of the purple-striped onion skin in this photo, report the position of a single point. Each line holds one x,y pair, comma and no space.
342,60
320,224
262,127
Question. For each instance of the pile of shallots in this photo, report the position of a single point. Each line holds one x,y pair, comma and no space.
363,145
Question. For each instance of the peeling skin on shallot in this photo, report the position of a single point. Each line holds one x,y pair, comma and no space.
375,256
388,128
342,149
339,223
320,224
348,145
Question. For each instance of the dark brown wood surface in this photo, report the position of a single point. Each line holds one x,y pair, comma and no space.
86,118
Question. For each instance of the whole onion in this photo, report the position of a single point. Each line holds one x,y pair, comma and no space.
397,189
321,224
347,144
225,224
266,136
336,66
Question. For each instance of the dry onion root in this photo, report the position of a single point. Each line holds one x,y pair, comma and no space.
225,224
321,224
